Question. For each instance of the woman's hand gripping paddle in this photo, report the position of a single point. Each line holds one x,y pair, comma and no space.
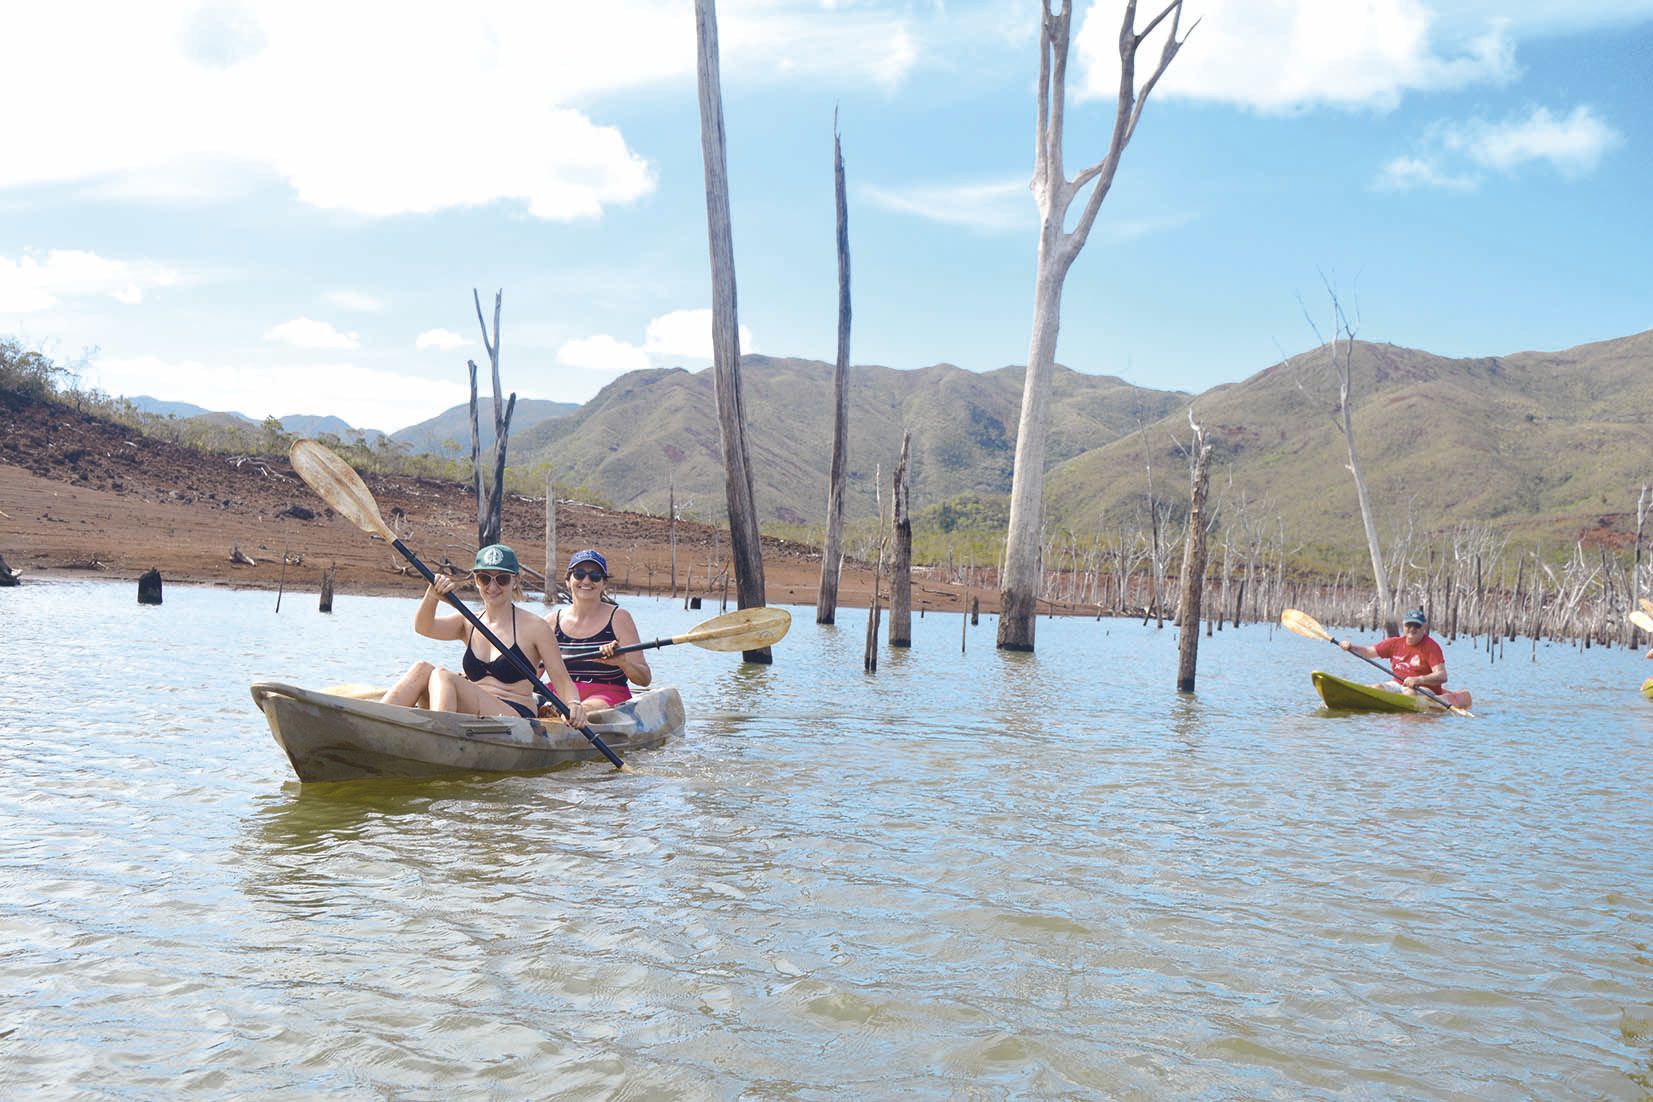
1301,623
342,488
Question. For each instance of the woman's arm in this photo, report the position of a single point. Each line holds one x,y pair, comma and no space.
425,620
634,665
541,649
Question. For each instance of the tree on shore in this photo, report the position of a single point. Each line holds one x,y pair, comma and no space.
1058,248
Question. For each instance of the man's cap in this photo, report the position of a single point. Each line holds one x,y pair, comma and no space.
1416,616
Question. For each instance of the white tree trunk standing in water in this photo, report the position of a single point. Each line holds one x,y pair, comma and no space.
1054,193
832,555
1343,333
743,521
901,566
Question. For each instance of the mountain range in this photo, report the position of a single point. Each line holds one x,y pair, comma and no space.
1535,445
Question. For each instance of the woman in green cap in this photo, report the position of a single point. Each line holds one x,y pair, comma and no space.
493,683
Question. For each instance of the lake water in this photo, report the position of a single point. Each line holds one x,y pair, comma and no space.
967,876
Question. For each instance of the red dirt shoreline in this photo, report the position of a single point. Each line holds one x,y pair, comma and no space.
82,497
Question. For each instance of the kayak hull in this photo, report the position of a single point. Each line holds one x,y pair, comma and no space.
336,738
1351,696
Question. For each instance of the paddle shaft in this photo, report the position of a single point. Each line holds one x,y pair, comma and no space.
1373,661
586,650
522,666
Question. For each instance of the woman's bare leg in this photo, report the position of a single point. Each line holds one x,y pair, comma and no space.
411,688
450,692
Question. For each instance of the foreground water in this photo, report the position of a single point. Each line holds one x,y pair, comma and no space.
971,875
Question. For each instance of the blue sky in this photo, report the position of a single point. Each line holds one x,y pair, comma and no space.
282,208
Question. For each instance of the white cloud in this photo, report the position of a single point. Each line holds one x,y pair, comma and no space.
358,301
360,108
603,353
365,397
445,340
36,282
1452,156
1283,55
1573,145
687,335
308,333
993,206
1406,173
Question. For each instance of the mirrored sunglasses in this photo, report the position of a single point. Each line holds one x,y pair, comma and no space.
586,575
482,578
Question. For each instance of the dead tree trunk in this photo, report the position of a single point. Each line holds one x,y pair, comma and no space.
1058,248
901,561
488,517
744,544
551,571
869,658
476,460
1343,335
1193,567
832,554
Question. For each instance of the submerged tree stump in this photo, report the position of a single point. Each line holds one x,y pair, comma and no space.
149,587
327,587
8,576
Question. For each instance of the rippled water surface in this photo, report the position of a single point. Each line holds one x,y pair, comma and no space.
971,875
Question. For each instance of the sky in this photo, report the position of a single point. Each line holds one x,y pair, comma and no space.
285,207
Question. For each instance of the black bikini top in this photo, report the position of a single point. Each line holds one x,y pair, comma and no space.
501,669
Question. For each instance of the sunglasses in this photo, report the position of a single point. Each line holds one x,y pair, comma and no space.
482,578
587,575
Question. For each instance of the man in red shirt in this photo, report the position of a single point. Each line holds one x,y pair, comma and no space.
1415,659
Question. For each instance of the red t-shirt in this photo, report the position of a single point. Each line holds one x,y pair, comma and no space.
1408,661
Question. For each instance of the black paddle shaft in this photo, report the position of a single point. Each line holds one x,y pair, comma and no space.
522,666
586,650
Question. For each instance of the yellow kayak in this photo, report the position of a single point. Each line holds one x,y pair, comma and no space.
1647,688
1351,696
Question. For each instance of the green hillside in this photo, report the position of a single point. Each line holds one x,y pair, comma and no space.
649,428
1539,446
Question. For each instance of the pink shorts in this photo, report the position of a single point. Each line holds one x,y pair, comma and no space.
605,694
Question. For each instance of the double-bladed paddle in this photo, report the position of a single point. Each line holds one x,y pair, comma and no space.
742,629
1307,626
336,483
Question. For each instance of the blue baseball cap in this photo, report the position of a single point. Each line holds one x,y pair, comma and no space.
496,556
589,555
1416,616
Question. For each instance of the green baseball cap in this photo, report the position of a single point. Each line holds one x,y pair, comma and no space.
496,556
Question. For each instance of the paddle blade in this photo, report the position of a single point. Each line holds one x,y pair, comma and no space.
743,629
341,487
1303,624
1642,620
1647,606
